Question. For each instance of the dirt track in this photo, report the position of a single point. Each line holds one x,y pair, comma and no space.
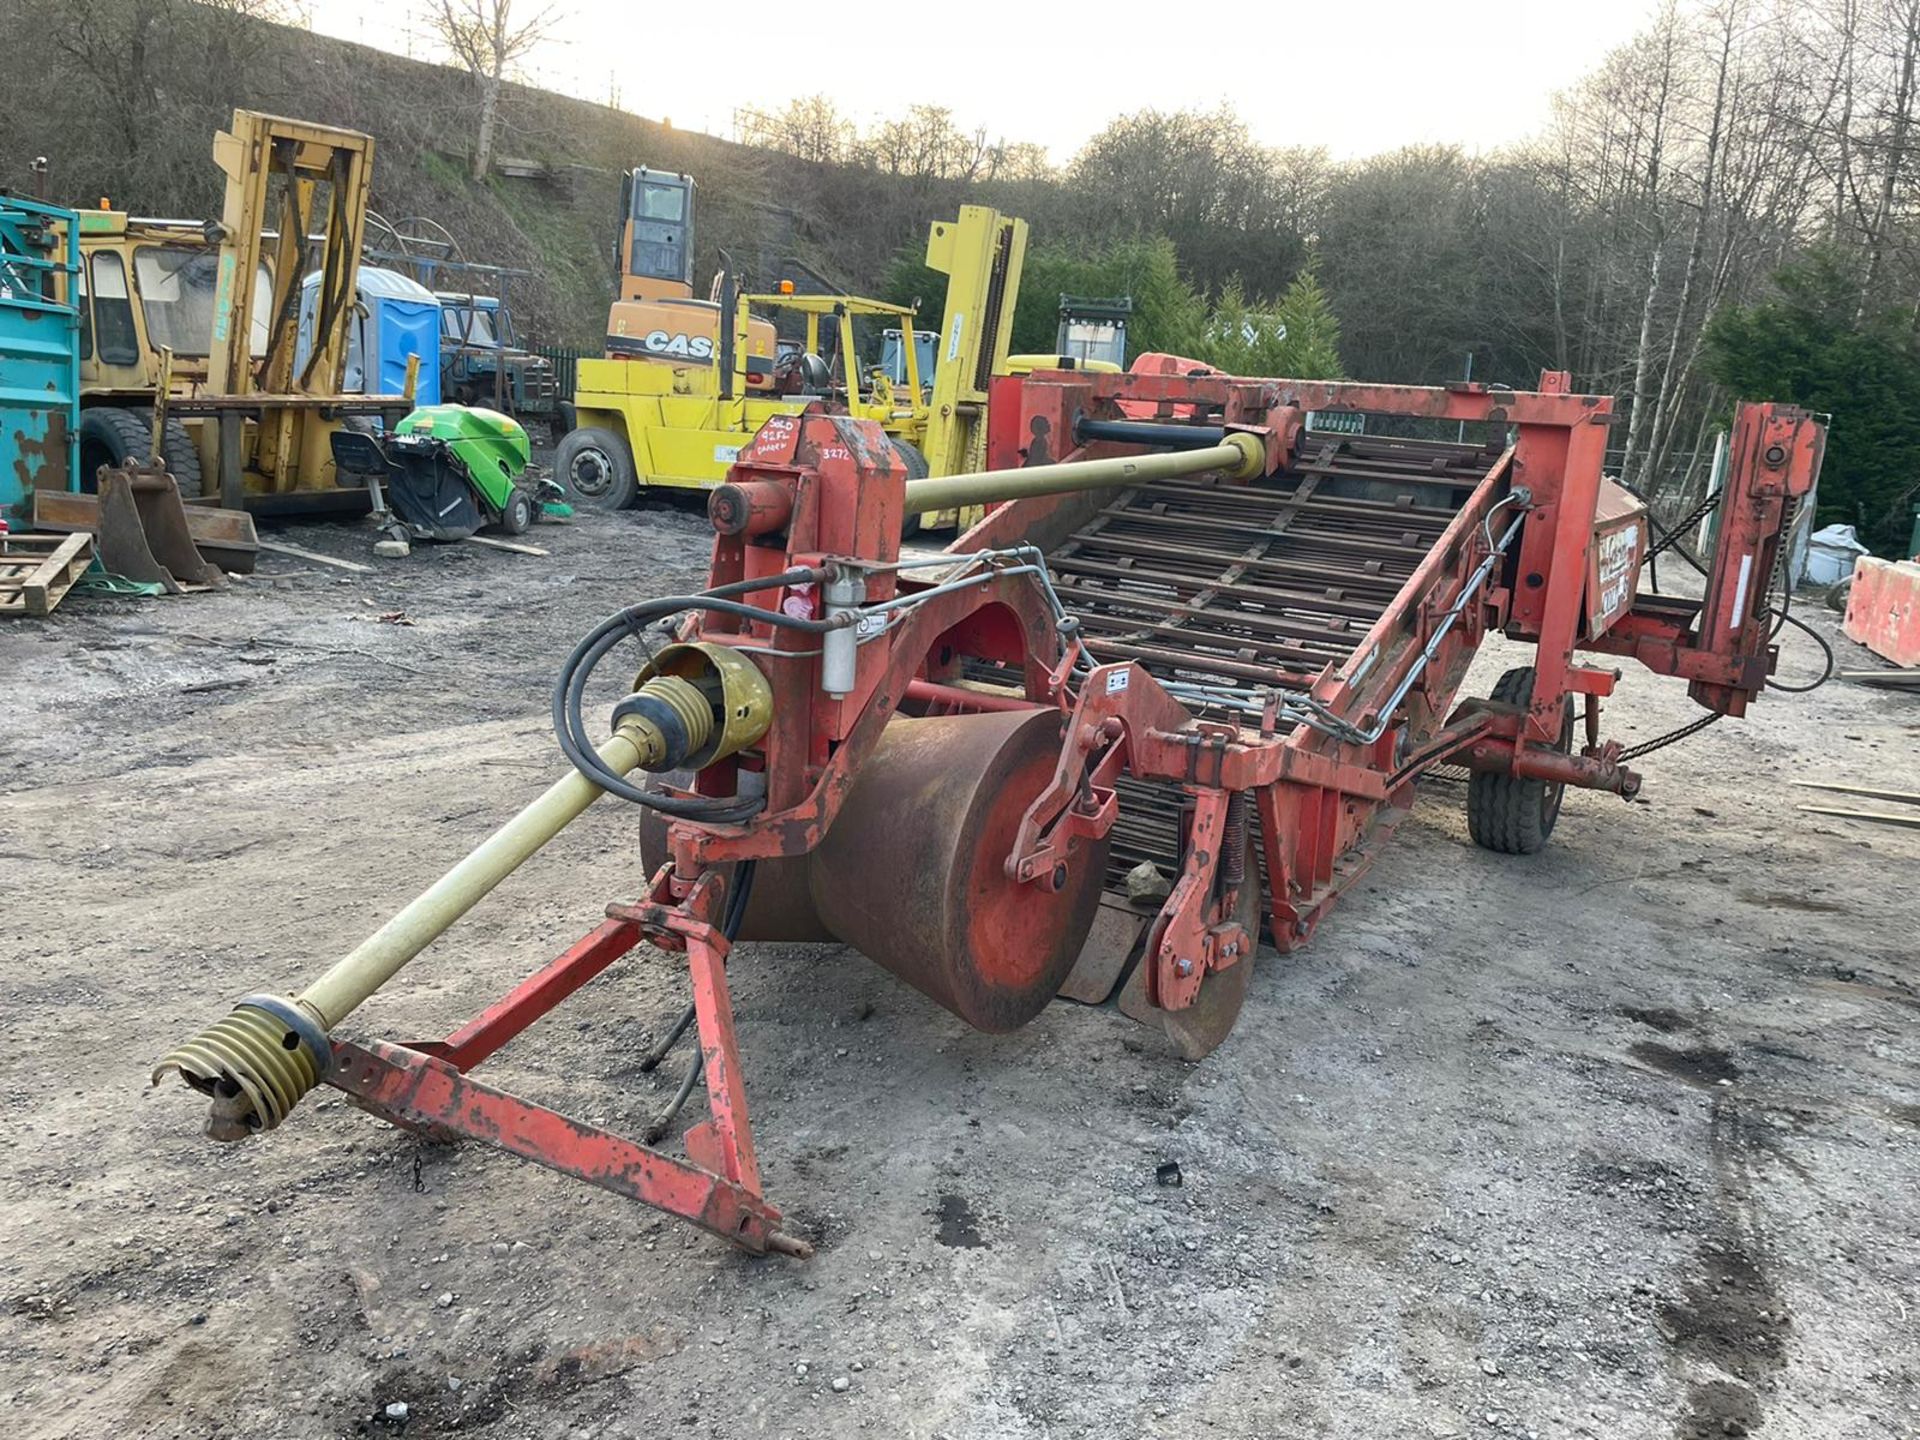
1617,1141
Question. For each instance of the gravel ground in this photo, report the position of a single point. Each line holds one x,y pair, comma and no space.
1615,1141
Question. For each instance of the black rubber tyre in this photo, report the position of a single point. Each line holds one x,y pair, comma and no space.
568,419
517,517
1508,813
111,435
917,469
596,467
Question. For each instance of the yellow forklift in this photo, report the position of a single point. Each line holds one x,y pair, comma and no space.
686,382
191,330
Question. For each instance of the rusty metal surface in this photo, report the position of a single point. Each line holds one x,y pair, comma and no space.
1196,1030
422,1092
913,872
535,996
140,527
966,848
39,349
1268,582
1264,582
1111,942
226,539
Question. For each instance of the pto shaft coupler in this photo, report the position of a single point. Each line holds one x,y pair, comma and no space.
695,704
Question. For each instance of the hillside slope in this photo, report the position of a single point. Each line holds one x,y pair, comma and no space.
140,133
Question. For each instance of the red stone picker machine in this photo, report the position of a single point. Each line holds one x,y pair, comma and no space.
1194,630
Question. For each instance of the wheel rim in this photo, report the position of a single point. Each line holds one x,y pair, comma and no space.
590,473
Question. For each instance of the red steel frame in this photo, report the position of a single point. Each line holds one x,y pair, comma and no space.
425,1086
814,490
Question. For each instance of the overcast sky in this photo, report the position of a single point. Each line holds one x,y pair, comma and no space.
1358,77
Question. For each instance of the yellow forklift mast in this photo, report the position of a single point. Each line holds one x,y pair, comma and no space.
191,329
981,253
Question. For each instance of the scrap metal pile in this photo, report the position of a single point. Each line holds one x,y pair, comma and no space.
1193,629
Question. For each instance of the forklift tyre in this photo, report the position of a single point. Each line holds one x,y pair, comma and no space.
110,435
917,469
516,517
596,467
1512,814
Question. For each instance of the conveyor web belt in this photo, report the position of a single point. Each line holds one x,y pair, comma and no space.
1262,583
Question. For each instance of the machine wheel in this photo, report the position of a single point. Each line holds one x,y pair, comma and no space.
110,435
568,418
516,517
596,466
1196,1032
917,469
1509,813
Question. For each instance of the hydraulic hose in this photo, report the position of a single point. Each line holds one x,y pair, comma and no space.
1782,617
729,926
576,671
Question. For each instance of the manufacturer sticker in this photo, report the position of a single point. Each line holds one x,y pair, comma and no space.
1118,680
685,347
1619,550
725,454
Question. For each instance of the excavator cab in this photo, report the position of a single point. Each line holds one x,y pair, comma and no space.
654,254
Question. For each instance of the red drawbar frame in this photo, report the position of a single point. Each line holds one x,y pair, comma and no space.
425,1086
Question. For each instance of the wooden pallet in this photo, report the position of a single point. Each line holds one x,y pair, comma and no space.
36,571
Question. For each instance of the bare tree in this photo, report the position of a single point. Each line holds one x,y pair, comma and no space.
487,38
124,49
1898,45
810,127
925,144
1655,225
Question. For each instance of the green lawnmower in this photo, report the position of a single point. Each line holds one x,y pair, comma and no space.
448,471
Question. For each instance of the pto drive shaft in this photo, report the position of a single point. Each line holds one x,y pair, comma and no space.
259,1060
1240,454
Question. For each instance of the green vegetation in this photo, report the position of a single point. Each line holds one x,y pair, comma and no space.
1297,336
1810,344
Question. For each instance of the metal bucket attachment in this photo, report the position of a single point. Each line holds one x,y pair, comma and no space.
144,531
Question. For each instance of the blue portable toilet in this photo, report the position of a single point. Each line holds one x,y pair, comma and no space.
399,317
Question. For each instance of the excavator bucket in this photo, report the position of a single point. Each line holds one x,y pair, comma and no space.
144,531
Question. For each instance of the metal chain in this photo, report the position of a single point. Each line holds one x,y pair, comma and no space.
1673,533
1662,741
1668,539
1790,513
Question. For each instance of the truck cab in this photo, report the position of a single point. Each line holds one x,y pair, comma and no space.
893,354
1095,328
656,317
477,340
